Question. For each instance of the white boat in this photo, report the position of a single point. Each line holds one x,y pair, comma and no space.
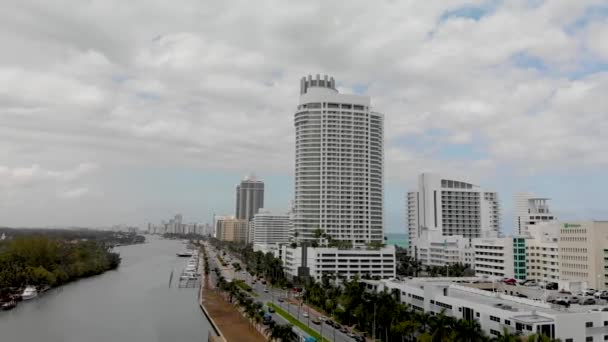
29,293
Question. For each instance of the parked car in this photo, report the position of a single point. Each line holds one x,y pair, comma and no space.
574,300
330,322
531,283
305,314
359,338
270,309
344,330
316,321
337,326
563,303
281,300
551,286
510,281
322,318
265,290
588,301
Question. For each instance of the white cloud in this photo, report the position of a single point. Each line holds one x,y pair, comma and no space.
213,85
74,193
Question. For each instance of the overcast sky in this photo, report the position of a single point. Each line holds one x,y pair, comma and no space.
116,111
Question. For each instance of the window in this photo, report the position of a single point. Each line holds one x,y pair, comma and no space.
569,340
494,332
495,319
589,324
477,314
589,338
507,322
605,337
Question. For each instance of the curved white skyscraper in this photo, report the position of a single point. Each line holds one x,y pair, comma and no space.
339,165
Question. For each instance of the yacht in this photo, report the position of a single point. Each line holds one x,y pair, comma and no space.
184,254
29,293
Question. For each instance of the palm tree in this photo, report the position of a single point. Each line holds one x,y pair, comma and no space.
423,320
506,336
282,332
539,338
406,329
440,326
468,331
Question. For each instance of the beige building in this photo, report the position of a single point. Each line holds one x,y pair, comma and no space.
582,246
229,228
542,251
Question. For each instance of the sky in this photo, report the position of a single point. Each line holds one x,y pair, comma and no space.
127,112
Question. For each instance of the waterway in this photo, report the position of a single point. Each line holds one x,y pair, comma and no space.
133,303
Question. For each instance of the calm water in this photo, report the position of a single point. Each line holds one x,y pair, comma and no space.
131,304
396,239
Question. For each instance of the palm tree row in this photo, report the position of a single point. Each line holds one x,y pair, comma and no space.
382,316
254,311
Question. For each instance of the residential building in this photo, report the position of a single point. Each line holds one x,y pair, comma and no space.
249,197
229,228
583,252
447,207
500,257
496,311
339,165
270,229
444,250
530,210
340,263
542,252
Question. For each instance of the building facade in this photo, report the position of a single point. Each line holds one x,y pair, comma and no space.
497,311
338,263
583,251
339,165
229,228
542,252
270,229
249,197
503,257
444,207
530,210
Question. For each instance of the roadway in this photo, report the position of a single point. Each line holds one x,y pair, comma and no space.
273,296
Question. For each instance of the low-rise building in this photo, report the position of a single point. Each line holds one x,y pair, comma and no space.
542,256
341,263
497,311
583,252
503,257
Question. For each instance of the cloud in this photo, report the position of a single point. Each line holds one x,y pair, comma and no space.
74,193
213,86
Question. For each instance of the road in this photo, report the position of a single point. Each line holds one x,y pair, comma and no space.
273,296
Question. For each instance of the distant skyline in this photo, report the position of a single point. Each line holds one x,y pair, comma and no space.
127,113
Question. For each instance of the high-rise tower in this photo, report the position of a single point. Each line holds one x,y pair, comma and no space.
339,165
249,197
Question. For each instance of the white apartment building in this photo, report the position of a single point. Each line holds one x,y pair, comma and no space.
270,229
530,210
341,263
496,311
339,165
542,253
446,207
444,250
503,257
583,252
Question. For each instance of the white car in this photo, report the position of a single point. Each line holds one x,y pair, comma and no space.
305,314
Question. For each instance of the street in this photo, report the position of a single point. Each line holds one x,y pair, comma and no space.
273,296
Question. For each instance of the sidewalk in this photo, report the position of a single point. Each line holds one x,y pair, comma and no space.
229,320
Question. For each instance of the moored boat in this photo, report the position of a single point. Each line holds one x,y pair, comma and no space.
29,293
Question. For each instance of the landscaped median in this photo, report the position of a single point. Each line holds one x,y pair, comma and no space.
245,287
297,323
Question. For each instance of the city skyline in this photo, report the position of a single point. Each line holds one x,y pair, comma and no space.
131,120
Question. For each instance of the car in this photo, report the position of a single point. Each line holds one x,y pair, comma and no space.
344,330
281,300
521,295
588,301
330,322
510,281
359,338
563,303
271,310
337,326
551,286
531,283
305,314
351,334
316,321
574,300
322,318
265,290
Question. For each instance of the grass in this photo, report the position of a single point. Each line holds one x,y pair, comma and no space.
245,287
297,323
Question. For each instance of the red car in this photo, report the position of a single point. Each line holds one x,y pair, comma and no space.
510,281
